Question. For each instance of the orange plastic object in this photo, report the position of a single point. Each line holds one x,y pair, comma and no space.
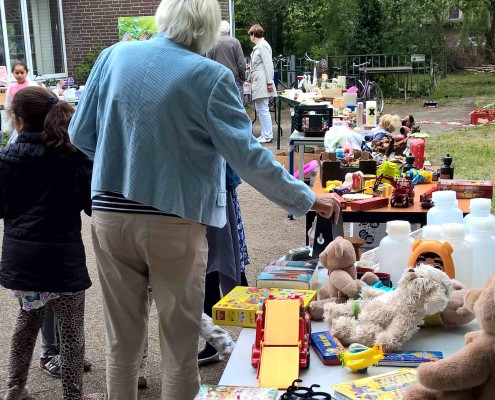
434,253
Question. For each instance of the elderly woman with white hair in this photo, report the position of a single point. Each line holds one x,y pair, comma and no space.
160,121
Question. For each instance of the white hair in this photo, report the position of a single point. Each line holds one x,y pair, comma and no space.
224,28
191,23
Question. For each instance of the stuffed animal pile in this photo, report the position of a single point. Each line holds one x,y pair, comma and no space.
393,317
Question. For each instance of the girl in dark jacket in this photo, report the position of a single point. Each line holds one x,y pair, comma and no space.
44,184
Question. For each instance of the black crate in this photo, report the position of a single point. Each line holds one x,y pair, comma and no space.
313,120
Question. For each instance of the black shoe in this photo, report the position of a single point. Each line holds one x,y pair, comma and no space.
208,355
51,365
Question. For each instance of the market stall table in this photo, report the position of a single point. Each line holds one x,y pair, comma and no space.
414,213
239,371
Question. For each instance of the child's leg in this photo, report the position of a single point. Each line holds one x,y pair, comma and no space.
69,311
22,345
49,337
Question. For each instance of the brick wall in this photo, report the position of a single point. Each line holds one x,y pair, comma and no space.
90,24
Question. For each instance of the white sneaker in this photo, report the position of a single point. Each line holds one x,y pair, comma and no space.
265,140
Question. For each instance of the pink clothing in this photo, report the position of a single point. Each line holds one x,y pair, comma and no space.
15,87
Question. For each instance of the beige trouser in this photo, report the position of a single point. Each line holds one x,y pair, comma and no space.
170,253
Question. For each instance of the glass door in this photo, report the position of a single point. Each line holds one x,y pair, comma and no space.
15,31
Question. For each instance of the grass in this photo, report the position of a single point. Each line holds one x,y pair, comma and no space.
467,85
472,150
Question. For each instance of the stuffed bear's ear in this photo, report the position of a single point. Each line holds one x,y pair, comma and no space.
447,247
415,244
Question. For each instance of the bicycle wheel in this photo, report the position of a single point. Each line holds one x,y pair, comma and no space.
377,95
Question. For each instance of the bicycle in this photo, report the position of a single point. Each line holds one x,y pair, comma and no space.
368,89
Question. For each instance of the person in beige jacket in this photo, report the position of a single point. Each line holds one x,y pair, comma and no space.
262,84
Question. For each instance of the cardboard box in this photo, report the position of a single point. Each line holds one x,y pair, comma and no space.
370,232
467,189
283,158
238,308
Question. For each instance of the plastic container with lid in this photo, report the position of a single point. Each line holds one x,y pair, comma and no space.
479,208
432,232
483,243
445,209
462,254
395,249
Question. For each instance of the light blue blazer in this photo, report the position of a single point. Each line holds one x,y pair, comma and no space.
160,121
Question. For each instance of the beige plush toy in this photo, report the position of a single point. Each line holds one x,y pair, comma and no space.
393,317
469,373
339,257
455,313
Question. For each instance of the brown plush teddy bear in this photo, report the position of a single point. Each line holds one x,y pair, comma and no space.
469,373
339,257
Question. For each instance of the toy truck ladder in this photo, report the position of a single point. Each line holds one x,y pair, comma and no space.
280,347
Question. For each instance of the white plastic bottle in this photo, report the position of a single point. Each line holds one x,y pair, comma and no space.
432,232
395,249
462,254
445,209
479,208
483,243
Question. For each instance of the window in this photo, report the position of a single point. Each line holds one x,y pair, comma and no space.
33,33
46,38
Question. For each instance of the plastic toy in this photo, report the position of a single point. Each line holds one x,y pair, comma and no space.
281,346
414,176
311,166
358,358
403,193
434,253
425,199
330,185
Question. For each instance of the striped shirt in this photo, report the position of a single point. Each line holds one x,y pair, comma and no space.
116,202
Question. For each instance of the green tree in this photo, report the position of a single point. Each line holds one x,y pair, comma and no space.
368,31
479,20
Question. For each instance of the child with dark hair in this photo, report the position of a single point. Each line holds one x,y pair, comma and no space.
45,184
20,72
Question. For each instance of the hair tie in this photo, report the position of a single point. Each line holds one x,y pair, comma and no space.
53,100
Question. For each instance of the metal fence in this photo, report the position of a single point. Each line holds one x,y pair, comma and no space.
419,81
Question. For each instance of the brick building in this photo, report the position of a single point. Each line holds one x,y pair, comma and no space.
93,23
53,37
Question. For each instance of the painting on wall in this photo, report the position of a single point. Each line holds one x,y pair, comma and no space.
136,28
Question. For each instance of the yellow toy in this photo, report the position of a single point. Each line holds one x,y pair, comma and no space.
330,185
358,358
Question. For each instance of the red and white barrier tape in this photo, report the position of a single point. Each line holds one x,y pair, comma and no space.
444,123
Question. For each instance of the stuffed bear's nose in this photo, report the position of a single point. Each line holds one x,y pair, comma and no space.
410,270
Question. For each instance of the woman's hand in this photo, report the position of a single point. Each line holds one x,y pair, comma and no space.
327,206
269,87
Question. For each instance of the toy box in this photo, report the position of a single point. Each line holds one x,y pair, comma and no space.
313,120
482,116
239,307
467,189
327,347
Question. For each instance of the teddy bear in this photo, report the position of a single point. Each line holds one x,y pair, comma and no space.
339,257
468,373
393,317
